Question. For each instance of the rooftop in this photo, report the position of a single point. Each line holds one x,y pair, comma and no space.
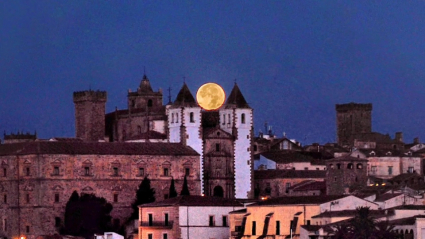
195,201
278,173
71,147
302,200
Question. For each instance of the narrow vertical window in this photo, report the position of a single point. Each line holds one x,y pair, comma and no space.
150,236
177,117
141,171
172,117
5,198
217,147
192,120
224,221
187,171
4,172
166,219
150,218
254,228
56,170
139,129
211,221
56,197
224,119
165,171
277,227
27,170
115,171
87,171
242,118
27,229
115,197
57,221
165,236
150,103
27,197
5,225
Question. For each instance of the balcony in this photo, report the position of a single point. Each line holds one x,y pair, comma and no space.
157,224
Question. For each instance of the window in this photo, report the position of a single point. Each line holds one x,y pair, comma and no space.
150,236
5,198
242,118
139,129
277,227
150,218
165,236
359,166
410,170
224,119
115,197
187,171
115,171
57,221
87,171
56,197
141,171
254,228
217,147
255,147
308,222
165,171
390,170
334,179
4,172
211,221
166,219
149,103
350,166
27,229
27,197
306,168
224,221
373,169
55,170
192,120
172,118
338,166
177,117
27,170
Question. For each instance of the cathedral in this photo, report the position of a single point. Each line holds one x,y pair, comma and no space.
222,137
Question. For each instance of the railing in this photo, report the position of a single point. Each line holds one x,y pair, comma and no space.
157,224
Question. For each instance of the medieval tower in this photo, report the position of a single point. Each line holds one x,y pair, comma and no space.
352,119
236,119
184,122
90,115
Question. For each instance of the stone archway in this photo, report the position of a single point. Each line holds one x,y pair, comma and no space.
218,191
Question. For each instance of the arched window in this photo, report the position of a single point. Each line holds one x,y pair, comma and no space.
242,118
350,166
338,166
149,103
192,120
331,166
359,166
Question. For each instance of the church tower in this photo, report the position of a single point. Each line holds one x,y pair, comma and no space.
90,114
144,96
352,119
184,122
236,119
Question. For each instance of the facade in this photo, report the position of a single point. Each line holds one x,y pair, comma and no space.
344,174
37,179
186,217
352,119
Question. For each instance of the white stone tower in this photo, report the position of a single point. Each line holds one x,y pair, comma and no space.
236,118
184,122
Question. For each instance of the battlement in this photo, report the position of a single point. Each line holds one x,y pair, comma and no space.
90,95
353,106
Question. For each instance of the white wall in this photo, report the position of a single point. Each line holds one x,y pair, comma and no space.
198,220
347,203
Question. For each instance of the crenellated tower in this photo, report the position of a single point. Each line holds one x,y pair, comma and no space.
236,118
90,114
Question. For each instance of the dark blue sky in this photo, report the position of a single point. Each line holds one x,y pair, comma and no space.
293,60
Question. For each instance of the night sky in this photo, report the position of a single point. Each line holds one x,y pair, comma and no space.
293,60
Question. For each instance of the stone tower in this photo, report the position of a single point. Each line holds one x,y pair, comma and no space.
144,96
90,115
352,119
184,122
236,119
344,174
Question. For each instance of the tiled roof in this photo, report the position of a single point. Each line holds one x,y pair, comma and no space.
386,196
287,156
308,185
288,173
210,130
346,158
236,99
145,85
184,98
44,147
150,135
195,201
352,213
308,200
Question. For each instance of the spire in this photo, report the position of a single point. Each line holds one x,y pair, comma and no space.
236,99
145,85
185,98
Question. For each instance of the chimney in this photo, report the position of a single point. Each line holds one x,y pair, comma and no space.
399,137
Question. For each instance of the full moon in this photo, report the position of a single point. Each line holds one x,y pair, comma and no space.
210,96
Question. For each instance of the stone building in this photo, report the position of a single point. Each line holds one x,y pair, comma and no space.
37,179
351,119
345,173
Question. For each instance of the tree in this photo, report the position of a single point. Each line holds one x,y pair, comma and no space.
87,215
185,188
172,193
363,226
144,194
